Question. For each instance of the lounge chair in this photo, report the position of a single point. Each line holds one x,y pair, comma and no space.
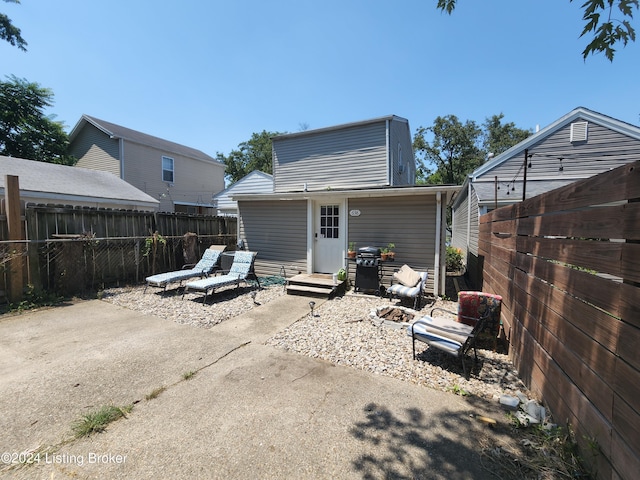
478,312
208,263
406,283
241,268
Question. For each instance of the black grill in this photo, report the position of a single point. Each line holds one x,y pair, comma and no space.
368,269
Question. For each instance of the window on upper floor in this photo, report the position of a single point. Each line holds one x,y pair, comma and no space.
167,169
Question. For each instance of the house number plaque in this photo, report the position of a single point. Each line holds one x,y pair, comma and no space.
354,213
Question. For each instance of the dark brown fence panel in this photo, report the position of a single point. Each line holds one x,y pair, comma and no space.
568,266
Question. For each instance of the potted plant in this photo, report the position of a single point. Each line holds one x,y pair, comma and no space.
351,252
390,253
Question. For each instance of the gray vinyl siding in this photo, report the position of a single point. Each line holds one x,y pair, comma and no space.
352,157
400,136
604,150
474,268
474,223
277,230
409,222
255,182
96,151
459,224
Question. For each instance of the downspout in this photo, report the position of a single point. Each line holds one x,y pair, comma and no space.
436,270
388,141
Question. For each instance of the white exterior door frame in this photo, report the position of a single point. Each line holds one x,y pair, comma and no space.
325,251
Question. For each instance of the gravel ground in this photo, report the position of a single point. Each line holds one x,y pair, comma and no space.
340,331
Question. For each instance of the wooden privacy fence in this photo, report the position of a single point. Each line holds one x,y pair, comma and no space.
71,250
568,266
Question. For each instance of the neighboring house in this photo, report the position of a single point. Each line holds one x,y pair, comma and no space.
182,178
579,145
254,182
347,183
48,183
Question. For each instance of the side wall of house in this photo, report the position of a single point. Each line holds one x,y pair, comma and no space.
194,181
353,157
459,222
403,164
277,230
407,221
96,151
474,268
603,150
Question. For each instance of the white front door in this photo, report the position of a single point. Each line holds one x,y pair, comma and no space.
329,241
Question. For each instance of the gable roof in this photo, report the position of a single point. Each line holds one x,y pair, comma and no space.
579,112
118,131
535,187
340,127
63,183
239,186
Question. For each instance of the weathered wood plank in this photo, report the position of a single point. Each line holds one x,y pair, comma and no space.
603,222
615,185
601,292
603,328
601,257
630,268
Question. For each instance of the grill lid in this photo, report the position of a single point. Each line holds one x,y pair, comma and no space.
369,251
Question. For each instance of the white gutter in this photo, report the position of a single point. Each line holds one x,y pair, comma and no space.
438,244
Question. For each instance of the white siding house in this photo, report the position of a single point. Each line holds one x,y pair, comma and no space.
578,145
341,184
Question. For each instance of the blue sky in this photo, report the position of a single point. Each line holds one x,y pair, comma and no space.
209,73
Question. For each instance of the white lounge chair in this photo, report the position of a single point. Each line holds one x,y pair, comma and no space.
241,268
208,263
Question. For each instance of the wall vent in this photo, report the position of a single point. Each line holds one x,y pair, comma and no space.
578,132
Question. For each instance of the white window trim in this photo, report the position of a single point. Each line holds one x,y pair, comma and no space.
173,169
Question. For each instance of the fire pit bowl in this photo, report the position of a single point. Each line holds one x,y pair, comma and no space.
393,317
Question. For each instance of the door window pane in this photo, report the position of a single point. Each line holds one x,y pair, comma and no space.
330,221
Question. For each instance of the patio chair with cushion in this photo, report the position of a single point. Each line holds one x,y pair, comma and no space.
209,262
241,269
477,314
407,283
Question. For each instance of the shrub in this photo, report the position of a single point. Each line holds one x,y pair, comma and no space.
454,259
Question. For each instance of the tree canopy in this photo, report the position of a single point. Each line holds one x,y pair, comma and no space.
599,17
459,148
499,137
25,131
254,154
11,33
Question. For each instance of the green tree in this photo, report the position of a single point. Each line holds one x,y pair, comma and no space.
459,148
599,17
454,151
25,131
499,137
254,154
9,32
